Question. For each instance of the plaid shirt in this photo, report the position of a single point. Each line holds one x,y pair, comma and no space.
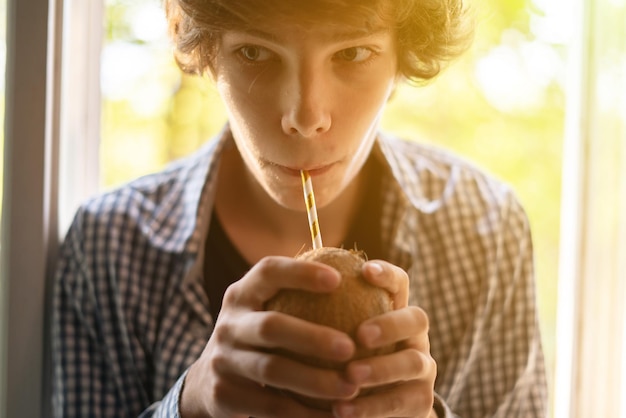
130,313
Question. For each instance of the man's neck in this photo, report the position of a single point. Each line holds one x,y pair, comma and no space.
258,226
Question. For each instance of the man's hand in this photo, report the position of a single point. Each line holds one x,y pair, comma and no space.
236,376
402,382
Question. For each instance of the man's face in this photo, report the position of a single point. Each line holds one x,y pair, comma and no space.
305,98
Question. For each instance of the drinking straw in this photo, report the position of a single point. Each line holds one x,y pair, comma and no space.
311,210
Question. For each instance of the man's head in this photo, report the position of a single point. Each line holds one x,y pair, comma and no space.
304,83
428,33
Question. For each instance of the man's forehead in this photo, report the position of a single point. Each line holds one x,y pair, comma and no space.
336,33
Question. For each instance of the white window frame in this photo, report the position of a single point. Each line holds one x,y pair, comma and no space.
28,203
80,100
51,163
590,377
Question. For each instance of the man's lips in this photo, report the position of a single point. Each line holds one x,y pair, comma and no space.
314,171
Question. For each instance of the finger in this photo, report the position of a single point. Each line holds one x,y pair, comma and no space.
283,373
271,274
404,365
391,278
410,399
274,329
242,398
395,326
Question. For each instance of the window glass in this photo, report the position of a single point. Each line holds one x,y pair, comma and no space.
501,105
151,112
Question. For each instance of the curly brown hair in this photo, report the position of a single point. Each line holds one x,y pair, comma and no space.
429,33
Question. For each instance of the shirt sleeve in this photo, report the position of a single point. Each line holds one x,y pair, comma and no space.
513,335
94,371
501,372
169,406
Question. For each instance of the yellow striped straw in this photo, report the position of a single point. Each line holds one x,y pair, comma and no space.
311,210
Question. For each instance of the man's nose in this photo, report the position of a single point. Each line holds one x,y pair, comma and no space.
306,104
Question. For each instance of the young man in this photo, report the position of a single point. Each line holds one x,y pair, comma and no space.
161,286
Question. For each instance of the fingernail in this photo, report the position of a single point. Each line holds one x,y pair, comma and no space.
342,347
328,277
375,268
370,333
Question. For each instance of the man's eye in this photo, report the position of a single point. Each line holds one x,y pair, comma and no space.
355,54
254,53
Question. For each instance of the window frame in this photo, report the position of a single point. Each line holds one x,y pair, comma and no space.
29,203
591,318
52,135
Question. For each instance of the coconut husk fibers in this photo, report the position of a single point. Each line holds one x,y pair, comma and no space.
354,301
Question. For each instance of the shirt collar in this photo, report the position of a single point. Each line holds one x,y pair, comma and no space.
413,167
197,177
186,188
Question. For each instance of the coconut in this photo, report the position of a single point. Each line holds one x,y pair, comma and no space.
354,301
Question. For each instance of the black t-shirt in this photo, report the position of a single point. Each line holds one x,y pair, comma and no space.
224,264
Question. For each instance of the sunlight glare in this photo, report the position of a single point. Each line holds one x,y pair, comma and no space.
555,25
514,77
123,65
148,22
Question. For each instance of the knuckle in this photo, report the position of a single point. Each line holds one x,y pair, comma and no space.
421,362
420,316
266,265
416,360
268,368
218,361
230,295
267,325
432,364
221,334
